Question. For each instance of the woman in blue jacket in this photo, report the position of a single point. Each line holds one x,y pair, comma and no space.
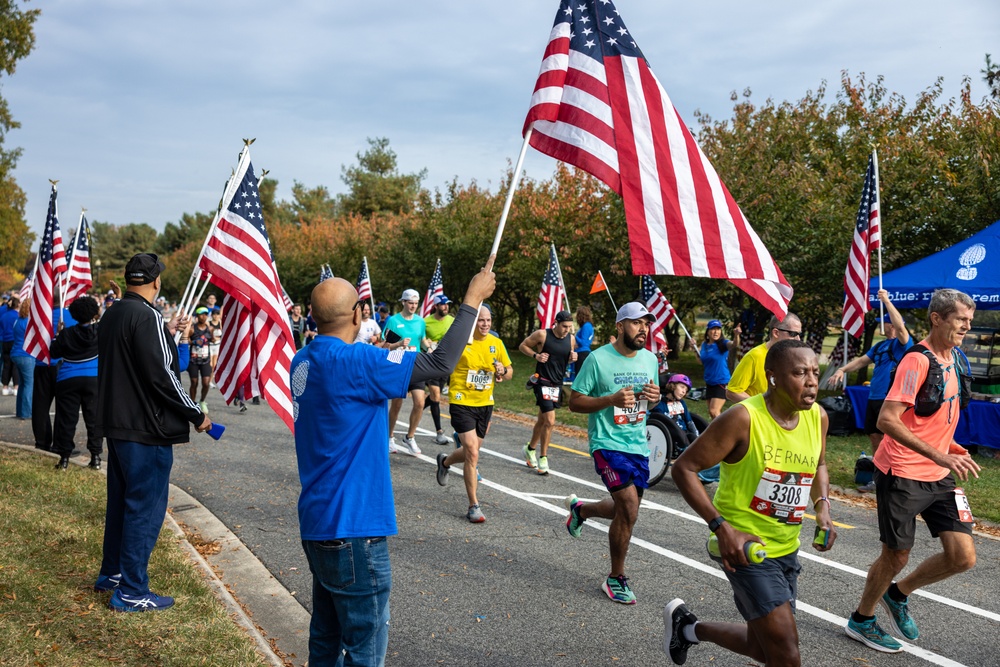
584,337
714,356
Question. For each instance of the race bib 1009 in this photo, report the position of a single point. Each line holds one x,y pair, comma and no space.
782,495
480,379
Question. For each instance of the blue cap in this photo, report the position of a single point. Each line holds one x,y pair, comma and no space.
714,324
441,299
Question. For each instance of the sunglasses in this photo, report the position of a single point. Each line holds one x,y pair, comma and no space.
793,334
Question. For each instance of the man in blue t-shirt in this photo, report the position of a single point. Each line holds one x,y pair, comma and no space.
886,355
412,330
346,511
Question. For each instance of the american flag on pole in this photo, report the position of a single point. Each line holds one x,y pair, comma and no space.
598,106
867,237
435,288
364,284
257,342
26,287
325,272
551,296
51,262
286,300
79,280
658,307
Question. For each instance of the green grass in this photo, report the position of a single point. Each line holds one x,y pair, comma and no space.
842,452
53,526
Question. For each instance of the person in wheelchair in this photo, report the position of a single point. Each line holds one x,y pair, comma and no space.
673,406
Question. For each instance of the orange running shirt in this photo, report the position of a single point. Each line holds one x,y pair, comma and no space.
937,430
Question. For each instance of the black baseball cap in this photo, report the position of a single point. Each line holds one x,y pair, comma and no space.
564,316
143,269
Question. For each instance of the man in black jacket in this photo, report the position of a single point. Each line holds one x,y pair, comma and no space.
143,410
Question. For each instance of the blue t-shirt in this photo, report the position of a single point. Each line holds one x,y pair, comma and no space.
604,372
414,328
886,356
716,363
20,327
340,398
584,337
7,320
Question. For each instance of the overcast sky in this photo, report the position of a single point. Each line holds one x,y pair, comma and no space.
139,107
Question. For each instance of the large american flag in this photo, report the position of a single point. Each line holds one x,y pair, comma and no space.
50,263
256,349
435,288
551,296
598,106
364,284
26,287
867,238
79,280
658,307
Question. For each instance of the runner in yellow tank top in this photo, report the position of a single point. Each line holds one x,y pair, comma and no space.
772,450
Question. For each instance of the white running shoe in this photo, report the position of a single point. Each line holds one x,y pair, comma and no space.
393,447
441,439
6,391
410,446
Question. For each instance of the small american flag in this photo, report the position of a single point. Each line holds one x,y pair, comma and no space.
26,287
435,288
258,341
658,307
598,106
286,300
325,272
867,237
364,284
551,296
50,263
79,280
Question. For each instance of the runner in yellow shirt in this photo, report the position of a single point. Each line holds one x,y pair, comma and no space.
470,393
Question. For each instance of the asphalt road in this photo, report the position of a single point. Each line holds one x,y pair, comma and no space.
519,591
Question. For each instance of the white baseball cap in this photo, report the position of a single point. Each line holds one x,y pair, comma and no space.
633,310
410,295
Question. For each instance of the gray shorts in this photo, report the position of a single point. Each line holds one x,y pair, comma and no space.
761,588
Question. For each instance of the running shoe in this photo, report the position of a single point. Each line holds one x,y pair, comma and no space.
458,443
441,439
871,635
543,465
410,446
617,589
530,458
393,447
899,618
676,617
243,407
107,583
6,390
574,524
475,514
867,488
148,602
442,469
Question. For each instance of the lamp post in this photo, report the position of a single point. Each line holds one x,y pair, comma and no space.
97,275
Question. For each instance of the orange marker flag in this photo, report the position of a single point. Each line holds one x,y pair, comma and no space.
599,285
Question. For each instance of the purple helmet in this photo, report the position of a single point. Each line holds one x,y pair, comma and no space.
683,379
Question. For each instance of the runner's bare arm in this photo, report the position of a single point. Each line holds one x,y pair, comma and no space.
529,346
890,422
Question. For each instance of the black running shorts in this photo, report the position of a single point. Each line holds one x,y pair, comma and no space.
900,500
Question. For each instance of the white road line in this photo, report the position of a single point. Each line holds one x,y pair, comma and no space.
714,571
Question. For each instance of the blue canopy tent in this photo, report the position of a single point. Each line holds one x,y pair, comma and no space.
972,266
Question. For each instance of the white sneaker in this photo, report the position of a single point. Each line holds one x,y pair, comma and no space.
410,446
441,439
6,391
393,447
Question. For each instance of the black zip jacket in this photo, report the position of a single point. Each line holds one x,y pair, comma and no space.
75,344
140,396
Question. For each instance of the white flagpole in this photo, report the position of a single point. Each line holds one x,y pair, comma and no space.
878,196
64,284
608,290
683,328
561,280
510,198
845,357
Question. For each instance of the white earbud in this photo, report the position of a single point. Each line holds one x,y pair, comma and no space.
772,382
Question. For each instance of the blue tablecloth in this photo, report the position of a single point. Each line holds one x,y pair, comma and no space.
979,425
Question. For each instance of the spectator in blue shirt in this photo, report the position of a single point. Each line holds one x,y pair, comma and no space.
7,368
584,337
340,395
23,361
714,356
43,391
76,383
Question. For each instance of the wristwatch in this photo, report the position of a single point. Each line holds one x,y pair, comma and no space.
715,523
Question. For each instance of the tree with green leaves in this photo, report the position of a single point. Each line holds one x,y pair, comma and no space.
375,184
17,39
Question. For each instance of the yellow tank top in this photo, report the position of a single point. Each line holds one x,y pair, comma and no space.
767,492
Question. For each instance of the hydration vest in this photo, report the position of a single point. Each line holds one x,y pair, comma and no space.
930,397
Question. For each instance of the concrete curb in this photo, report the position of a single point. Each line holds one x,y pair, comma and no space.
274,601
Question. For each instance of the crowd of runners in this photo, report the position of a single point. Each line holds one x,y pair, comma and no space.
765,454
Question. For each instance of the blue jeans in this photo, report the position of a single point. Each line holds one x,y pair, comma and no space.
138,481
350,617
26,366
